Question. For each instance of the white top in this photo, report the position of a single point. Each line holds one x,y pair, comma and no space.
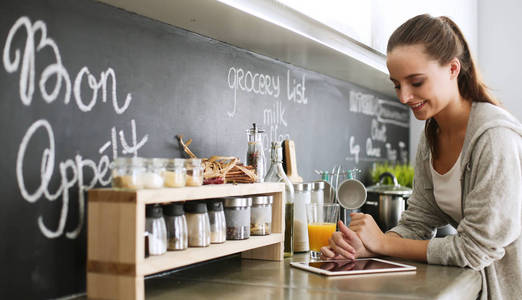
447,190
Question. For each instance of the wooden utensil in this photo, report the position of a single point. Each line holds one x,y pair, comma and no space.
290,162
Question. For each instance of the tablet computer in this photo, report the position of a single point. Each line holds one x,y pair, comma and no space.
352,267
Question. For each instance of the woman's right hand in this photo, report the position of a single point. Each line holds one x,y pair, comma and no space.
345,244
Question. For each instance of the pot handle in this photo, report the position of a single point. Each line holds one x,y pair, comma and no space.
388,174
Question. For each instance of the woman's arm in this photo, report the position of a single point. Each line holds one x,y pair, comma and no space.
389,244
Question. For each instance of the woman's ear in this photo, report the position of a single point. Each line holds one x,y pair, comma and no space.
454,68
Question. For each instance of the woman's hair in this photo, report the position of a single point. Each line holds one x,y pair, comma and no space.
443,41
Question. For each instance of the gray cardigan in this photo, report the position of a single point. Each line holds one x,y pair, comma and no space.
488,237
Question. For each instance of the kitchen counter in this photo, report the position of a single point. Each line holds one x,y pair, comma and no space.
235,278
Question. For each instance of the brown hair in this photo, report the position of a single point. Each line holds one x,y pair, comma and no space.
443,41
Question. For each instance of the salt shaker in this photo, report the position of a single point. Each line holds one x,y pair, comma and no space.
218,226
198,224
177,233
156,229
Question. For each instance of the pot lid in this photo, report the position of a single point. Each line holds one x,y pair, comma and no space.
388,189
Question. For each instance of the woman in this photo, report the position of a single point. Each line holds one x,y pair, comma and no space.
468,169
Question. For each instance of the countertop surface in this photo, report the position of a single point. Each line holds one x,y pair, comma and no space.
236,278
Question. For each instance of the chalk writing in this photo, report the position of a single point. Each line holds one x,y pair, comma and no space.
27,73
387,112
295,90
70,171
391,153
378,133
371,150
354,149
251,82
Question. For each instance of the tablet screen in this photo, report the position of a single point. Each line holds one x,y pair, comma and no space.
350,265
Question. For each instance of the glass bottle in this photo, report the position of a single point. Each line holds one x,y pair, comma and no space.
177,232
156,229
303,195
255,152
277,174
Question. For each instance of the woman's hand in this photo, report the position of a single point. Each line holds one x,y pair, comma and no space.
345,244
368,231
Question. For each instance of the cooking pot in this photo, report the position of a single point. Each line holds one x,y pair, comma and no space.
391,201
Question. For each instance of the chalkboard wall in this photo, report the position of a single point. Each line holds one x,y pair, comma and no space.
82,83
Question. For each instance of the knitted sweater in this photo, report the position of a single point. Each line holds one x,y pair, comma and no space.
488,237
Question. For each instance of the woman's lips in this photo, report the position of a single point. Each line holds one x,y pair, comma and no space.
418,106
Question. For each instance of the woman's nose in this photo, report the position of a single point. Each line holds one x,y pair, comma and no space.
405,95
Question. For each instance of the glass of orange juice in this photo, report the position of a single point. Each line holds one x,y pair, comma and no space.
322,221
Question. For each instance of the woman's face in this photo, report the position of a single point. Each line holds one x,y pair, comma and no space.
420,81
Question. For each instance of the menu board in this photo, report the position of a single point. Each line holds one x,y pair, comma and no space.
82,83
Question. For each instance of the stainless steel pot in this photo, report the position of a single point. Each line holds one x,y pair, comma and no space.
391,201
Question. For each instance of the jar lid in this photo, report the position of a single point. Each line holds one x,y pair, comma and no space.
317,185
157,162
129,161
174,209
175,162
262,199
302,186
153,211
238,202
193,162
215,205
195,207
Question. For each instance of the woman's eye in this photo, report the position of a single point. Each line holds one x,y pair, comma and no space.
397,87
417,84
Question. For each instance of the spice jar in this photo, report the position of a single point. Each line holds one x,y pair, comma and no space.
317,192
152,177
175,172
156,230
218,226
194,172
303,194
261,215
127,172
198,223
237,215
177,233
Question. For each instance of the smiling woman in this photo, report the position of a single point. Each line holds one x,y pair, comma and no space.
468,166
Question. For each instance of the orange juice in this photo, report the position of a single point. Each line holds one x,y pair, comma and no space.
319,233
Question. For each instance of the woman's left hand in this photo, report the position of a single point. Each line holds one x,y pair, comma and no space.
368,231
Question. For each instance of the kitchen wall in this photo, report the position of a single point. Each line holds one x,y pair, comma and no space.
499,48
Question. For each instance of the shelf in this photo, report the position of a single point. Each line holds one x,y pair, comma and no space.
176,259
185,193
116,263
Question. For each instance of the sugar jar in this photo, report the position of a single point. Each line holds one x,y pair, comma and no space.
175,172
156,229
152,177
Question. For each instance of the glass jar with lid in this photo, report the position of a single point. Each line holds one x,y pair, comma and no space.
177,232
127,172
194,172
261,215
303,194
218,226
175,172
198,223
237,215
152,177
317,192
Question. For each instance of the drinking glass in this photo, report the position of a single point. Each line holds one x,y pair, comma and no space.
322,220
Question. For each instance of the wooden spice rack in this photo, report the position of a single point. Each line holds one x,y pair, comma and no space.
116,263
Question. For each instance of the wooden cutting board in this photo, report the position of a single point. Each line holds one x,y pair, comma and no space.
290,161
